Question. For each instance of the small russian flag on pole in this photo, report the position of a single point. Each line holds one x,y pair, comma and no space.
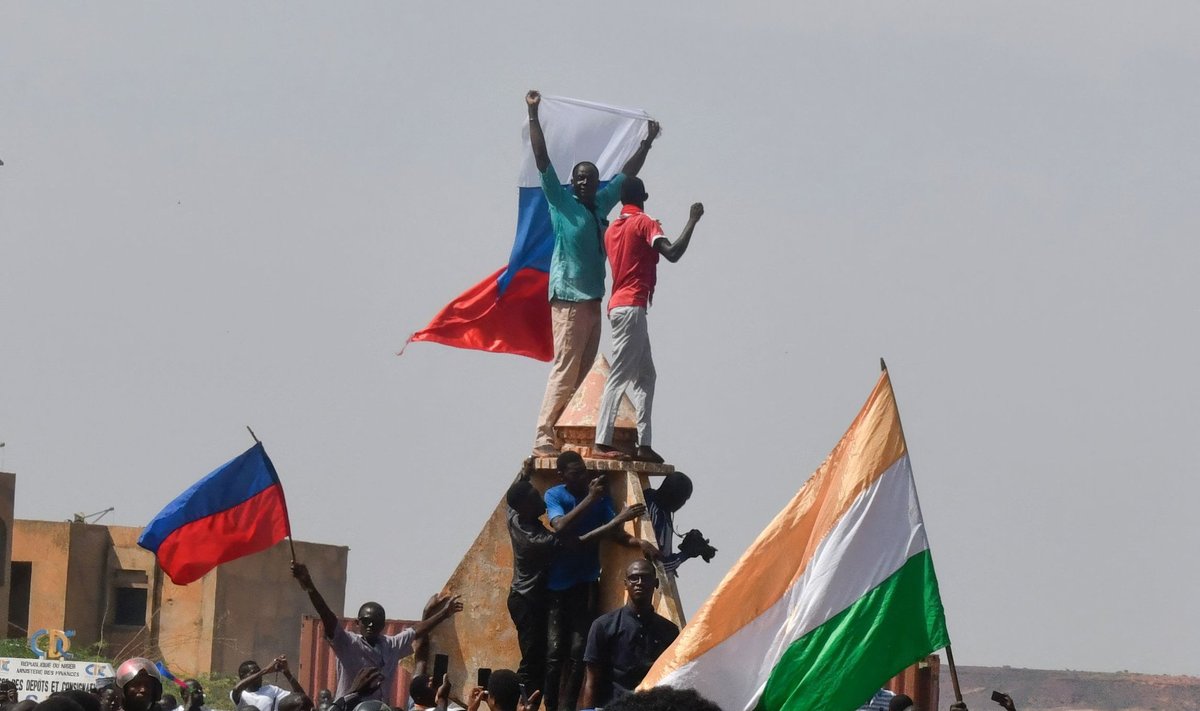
237,510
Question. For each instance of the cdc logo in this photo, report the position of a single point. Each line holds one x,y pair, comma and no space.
56,643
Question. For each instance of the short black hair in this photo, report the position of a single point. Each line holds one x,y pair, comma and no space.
83,698
421,689
517,493
633,190
168,701
899,702
59,703
504,687
244,668
568,457
663,698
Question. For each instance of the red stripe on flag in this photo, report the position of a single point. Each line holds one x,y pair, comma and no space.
516,322
254,525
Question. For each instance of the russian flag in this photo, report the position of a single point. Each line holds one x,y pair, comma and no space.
509,311
235,511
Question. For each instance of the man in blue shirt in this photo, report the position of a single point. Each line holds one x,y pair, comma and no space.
579,504
576,268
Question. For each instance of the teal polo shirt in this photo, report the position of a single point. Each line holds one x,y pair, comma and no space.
577,267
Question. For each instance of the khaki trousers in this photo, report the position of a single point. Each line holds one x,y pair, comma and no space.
576,327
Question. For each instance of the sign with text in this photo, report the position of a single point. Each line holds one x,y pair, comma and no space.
38,678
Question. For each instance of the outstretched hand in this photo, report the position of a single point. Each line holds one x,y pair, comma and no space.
447,604
630,513
533,99
1004,700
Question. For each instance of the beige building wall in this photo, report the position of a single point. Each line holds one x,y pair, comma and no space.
97,581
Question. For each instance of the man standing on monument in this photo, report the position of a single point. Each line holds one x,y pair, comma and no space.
578,216
634,241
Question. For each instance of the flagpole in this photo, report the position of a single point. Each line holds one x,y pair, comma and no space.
949,654
291,543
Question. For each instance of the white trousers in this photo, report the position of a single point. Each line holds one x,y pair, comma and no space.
632,369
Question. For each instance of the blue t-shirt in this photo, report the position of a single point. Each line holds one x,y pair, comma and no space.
580,564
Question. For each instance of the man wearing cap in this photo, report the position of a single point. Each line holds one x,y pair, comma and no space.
140,684
371,648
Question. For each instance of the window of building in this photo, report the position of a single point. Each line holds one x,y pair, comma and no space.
130,607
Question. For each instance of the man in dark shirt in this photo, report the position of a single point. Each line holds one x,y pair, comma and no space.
624,643
534,549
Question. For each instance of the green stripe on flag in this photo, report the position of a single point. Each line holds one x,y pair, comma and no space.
837,666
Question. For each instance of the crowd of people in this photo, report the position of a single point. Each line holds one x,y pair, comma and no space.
571,656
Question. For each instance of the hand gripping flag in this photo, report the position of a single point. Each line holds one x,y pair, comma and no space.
509,311
835,597
235,511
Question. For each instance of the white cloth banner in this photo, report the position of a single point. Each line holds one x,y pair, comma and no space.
36,679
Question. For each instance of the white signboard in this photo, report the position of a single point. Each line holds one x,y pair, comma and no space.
38,678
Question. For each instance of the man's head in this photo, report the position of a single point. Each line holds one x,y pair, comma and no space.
640,583
325,696
574,474
663,698
250,668
504,690
168,702
86,701
110,698
371,620
140,684
8,691
585,179
422,691
633,191
294,702
524,498
674,492
193,693
901,702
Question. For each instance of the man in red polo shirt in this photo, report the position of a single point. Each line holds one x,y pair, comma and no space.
633,242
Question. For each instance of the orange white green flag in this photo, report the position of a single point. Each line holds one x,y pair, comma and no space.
835,597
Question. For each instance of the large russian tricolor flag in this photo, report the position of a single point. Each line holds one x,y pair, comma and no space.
835,597
237,510
509,311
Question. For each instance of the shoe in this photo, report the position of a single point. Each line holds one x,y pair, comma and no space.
645,454
545,450
612,453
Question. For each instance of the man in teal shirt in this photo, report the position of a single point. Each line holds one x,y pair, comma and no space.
576,270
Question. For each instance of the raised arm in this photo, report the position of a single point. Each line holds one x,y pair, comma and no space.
536,138
634,164
329,621
627,514
446,606
564,523
282,664
674,250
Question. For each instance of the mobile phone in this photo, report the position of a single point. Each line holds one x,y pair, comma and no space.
441,664
482,677
998,697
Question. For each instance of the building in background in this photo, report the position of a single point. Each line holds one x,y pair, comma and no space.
96,581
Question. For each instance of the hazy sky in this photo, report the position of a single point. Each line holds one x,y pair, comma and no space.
219,214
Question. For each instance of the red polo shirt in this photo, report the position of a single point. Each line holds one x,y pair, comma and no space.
632,257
